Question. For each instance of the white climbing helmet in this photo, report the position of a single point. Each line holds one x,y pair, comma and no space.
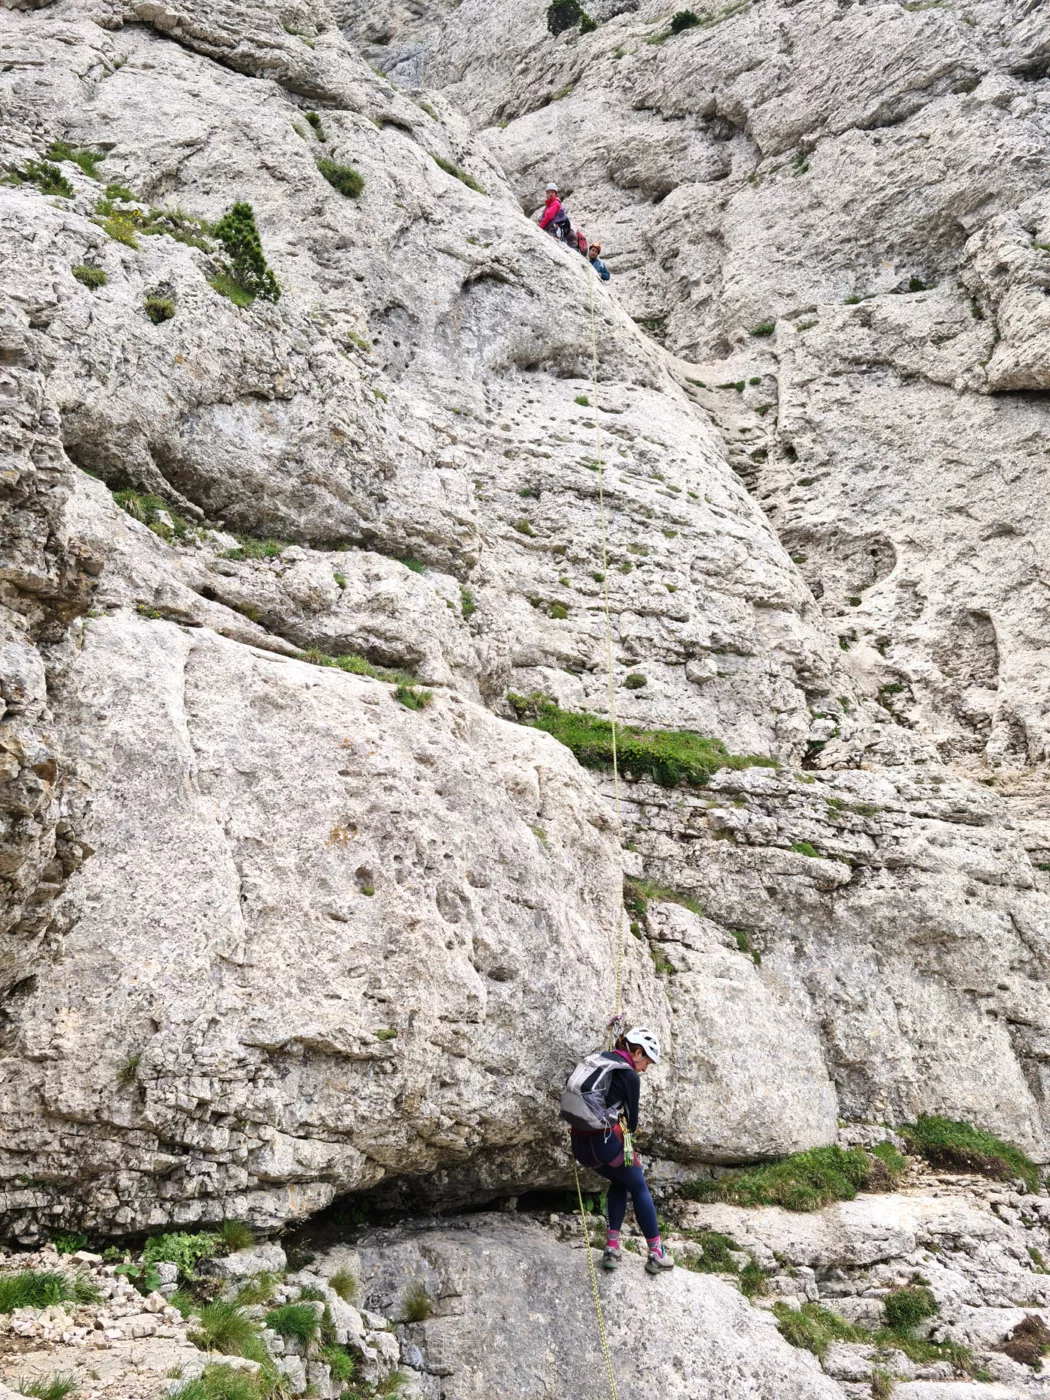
553,187
643,1039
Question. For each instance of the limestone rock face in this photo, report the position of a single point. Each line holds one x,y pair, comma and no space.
513,1308
326,941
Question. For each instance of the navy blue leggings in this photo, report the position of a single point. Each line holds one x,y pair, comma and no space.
599,1153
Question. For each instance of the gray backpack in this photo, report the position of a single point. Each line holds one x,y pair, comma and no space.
583,1100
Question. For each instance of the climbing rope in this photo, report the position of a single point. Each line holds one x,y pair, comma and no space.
617,1003
617,1016
594,1286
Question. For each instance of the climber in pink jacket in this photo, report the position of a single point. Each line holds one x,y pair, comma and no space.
554,218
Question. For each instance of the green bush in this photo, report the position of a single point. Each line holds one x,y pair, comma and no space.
906,1307
962,1147
413,697
343,178
684,19
70,1244
159,309
294,1320
764,328
34,1288
805,1181
450,169
635,681
563,15
184,1250
92,277
237,233
814,1328
669,756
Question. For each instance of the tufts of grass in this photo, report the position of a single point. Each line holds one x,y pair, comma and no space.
344,178
120,192
180,1248
342,1365
467,604
315,122
225,1327
804,1181
450,169
128,1073
764,328
48,1387
524,527
295,1321
92,277
668,756
88,161
743,942
345,1284
186,1304
159,309
415,566
814,1328
638,893
234,1235
35,1288
582,400
806,848
356,666
147,510
417,1306
232,290
960,1146
635,681
906,1307
252,548
47,178
413,697
219,1382
340,580
257,1290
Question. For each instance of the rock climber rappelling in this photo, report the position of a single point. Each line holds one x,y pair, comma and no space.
600,1103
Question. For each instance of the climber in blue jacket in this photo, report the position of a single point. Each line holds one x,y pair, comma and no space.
595,261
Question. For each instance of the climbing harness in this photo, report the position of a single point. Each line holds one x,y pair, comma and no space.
617,1016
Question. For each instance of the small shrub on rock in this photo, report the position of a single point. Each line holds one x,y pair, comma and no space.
180,1248
413,697
684,19
47,178
92,277
315,122
343,178
247,269
962,1147
87,161
562,15
635,681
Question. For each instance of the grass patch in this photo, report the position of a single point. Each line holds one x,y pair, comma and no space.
315,122
804,1181
47,178
225,1327
635,681
418,1306
356,665
345,1284
87,161
743,942
413,697
153,512
906,1307
637,895
234,1235
159,309
252,548
814,1328
344,178
36,1288
962,1147
464,175
764,328
227,287
342,1365
524,527
467,604
295,1321
128,1073
219,1382
582,400
48,1387
806,848
186,1304
668,756
257,1290
92,277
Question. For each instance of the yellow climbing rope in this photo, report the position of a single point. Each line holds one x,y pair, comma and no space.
616,798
